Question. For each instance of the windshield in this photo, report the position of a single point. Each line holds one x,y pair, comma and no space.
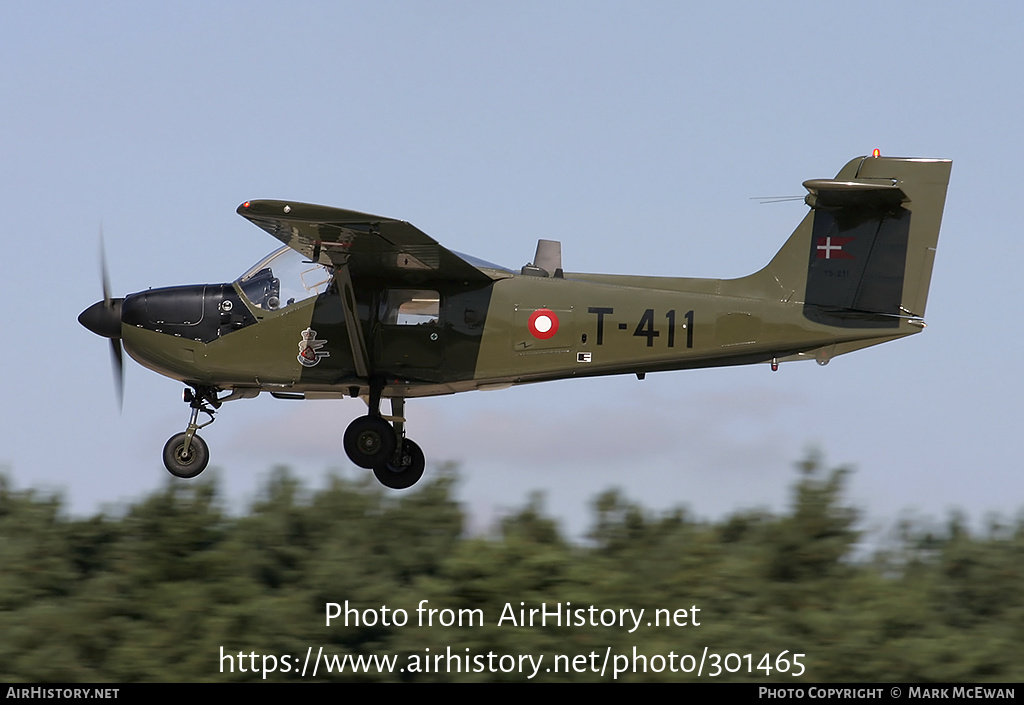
282,278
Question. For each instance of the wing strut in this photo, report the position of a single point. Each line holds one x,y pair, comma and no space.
356,340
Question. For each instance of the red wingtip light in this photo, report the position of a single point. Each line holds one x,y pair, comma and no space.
876,153
246,204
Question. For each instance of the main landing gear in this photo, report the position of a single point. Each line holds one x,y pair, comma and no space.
377,442
186,454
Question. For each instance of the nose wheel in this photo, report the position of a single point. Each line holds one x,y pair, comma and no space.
186,455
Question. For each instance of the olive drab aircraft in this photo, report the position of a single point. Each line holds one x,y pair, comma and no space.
359,305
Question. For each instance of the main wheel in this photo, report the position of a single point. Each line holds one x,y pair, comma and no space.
182,464
405,474
369,440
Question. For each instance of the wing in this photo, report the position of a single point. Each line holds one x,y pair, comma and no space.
368,245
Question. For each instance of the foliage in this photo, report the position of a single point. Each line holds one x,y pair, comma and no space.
173,588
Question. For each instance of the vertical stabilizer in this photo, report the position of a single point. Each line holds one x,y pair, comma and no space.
862,258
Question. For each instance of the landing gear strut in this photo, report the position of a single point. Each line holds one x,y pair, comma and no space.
186,454
378,442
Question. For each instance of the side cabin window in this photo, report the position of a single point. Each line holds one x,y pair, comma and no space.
411,307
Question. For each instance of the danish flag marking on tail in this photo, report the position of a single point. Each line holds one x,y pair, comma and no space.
832,248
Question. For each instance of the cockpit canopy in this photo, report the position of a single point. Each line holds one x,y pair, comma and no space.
282,278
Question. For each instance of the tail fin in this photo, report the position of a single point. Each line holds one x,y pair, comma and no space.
863,256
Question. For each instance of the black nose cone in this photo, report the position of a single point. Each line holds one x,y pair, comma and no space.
103,318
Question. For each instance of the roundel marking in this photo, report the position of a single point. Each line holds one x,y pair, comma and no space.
543,323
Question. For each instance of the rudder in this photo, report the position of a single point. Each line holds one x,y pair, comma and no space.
924,183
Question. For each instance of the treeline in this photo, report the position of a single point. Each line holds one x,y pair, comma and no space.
173,584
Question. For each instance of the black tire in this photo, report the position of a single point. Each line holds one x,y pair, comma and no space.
405,475
369,440
186,466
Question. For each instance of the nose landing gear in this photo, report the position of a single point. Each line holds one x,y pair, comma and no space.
186,454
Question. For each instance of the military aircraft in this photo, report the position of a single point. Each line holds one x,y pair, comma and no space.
360,305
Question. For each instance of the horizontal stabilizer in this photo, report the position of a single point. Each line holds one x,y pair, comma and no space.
831,193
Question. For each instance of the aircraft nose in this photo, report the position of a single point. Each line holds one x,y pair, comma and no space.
103,318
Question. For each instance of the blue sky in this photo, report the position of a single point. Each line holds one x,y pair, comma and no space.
635,133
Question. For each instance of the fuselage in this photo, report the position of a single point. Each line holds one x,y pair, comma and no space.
444,337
